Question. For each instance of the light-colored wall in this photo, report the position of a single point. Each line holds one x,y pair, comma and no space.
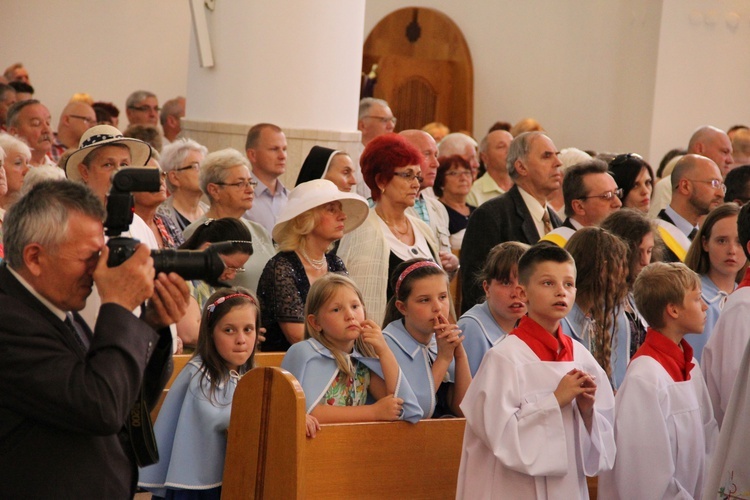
290,63
105,48
584,69
636,75
703,74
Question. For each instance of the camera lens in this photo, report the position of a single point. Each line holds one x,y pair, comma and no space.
203,265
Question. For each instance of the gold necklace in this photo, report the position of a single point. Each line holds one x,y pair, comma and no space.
393,226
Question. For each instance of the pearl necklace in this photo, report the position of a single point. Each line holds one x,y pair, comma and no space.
315,263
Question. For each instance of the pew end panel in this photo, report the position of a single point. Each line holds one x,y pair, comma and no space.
264,438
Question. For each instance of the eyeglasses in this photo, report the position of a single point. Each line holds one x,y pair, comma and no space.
383,119
239,184
714,183
459,173
145,108
409,176
235,269
89,121
192,166
624,158
606,196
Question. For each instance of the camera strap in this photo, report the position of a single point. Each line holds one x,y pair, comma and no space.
141,432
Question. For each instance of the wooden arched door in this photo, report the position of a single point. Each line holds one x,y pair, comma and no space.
424,69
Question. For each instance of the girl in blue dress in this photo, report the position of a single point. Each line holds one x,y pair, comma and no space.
428,348
193,421
716,255
488,322
345,368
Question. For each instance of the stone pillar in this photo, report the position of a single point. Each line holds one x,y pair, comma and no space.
293,63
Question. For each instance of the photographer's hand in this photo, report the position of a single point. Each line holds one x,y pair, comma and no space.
128,284
170,301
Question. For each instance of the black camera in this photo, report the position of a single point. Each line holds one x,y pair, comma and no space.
203,265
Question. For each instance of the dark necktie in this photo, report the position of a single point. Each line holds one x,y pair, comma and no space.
692,234
77,331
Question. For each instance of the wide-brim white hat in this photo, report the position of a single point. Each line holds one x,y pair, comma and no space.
104,135
311,194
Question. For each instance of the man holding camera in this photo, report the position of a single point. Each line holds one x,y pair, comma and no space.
66,428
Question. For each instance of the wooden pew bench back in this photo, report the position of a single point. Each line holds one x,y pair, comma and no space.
269,456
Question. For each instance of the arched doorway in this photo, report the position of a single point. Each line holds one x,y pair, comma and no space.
424,68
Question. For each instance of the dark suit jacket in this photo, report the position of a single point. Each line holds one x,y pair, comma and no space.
503,218
62,409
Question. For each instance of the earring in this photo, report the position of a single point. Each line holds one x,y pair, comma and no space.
382,191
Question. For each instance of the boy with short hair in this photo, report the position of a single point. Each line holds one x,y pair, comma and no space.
536,422
664,425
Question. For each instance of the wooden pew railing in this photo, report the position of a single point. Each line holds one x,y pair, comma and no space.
180,360
263,359
269,456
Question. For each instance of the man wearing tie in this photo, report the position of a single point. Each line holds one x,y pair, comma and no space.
697,188
521,214
67,391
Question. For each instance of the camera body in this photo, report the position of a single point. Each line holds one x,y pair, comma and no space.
203,265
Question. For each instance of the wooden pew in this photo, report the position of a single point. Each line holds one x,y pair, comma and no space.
263,359
179,360
269,456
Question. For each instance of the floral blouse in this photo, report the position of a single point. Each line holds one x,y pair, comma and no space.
345,391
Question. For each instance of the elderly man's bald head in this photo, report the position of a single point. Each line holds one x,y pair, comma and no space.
713,143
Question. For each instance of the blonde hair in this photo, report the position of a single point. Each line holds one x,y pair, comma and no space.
320,293
294,233
659,285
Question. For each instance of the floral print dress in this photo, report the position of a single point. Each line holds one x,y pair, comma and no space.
348,391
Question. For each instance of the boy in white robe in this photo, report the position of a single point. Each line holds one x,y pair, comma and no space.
536,422
664,425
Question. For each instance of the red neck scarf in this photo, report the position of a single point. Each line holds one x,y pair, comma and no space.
746,279
678,362
543,343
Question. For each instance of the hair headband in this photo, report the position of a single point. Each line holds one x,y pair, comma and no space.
408,270
212,307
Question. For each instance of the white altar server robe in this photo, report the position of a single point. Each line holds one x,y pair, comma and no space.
665,434
518,442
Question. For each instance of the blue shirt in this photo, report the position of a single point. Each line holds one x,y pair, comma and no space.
715,300
267,206
415,360
481,332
